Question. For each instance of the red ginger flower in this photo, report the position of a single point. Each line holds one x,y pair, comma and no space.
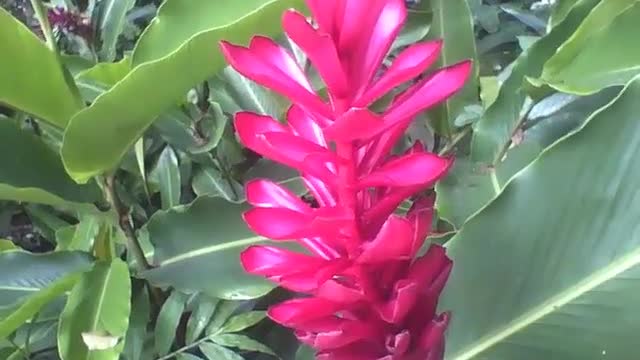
369,295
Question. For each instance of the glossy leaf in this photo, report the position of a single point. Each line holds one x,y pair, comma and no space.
138,321
560,11
200,317
495,129
568,286
235,92
82,235
31,78
223,312
453,23
216,352
24,159
99,304
470,186
197,248
242,342
243,321
209,181
179,50
167,173
23,274
99,78
111,22
33,303
168,320
584,64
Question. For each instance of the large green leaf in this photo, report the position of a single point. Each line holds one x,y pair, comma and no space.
111,22
97,310
31,78
494,130
178,51
32,305
23,274
551,268
24,159
470,186
197,248
452,22
560,11
584,64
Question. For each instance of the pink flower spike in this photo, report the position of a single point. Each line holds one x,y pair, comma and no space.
355,124
265,193
410,63
299,311
393,242
324,13
286,224
371,295
386,27
438,87
304,125
276,262
250,127
319,48
409,170
272,67
404,296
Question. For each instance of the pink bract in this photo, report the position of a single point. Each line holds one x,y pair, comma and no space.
367,290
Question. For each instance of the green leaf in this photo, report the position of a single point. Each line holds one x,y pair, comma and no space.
560,11
278,173
7,245
242,342
167,173
200,317
495,129
24,159
187,356
32,305
224,310
584,64
177,50
23,274
216,352
470,186
453,23
98,307
567,287
305,353
243,321
209,181
111,21
235,92
197,248
168,320
99,78
138,321
33,80
82,236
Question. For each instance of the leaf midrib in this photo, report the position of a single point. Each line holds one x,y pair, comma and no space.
210,249
589,283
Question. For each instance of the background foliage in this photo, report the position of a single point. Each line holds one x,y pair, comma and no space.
121,181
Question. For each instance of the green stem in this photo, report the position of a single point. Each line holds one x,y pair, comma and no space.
43,19
187,347
454,141
133,245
